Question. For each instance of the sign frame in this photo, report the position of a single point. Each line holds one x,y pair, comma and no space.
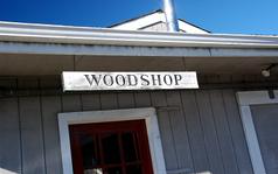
128,80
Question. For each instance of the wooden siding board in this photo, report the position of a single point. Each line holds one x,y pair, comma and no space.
51,106
223,132
224,79
71,103
237,79
28,83
8,83
109,101
236,128
142,99
180,135
159,100
126,100
195,132
50,85
210,134
49,82
90,102
10,147
250,78
214,79
33,159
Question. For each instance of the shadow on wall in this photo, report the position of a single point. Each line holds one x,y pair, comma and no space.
4,171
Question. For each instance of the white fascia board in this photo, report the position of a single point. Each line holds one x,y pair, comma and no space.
190,28
17,32
100,50
142,22
108,50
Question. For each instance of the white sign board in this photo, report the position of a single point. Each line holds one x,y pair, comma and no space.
90,81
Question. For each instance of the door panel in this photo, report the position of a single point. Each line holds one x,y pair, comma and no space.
265,119
111,148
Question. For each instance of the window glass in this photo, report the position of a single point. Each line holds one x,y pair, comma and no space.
130,146
89,151
110,148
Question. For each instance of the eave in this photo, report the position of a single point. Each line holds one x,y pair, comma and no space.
54,34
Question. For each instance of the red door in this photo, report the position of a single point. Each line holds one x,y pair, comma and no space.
111,148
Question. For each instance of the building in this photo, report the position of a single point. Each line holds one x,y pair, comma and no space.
156,21
227,126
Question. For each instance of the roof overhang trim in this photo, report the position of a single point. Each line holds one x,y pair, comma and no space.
53,34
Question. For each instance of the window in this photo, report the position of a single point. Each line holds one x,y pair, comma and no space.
111,148
94,132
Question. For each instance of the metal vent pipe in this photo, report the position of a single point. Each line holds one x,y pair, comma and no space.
171,20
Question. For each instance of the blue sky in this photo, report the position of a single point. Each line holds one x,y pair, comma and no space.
218,16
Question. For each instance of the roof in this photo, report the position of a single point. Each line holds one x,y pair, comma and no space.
136,18
149,20
28,49
24,38
38,33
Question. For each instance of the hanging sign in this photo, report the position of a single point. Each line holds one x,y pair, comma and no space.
90,81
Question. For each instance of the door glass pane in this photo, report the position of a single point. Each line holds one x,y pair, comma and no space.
89,151
110,148
115,170
130,147
134,169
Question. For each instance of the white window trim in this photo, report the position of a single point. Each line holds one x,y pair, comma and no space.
149,114
246,100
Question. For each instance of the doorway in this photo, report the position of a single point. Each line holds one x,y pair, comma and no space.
259,117
119,147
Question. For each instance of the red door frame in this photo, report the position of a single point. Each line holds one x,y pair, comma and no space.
138,126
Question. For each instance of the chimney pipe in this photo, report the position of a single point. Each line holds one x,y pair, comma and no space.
171,20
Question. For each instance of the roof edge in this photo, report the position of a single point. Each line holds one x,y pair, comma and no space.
185,21
36,33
